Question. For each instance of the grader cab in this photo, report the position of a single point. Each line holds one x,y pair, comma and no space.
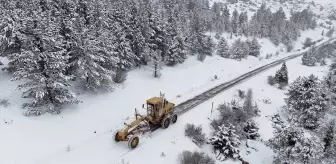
160,112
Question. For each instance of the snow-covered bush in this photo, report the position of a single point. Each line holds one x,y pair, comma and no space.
217,36
120,77
277,123
309,58
233,113
201,57
271,80
291,146
223,49
254,48
188,157
307,43
241,93
177,52
268,56
251,129
330,33
328,136
225,142
281,76
239,50
195,134
248,107
156,65
4,102
306,102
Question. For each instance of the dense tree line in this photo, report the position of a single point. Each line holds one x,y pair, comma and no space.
52,44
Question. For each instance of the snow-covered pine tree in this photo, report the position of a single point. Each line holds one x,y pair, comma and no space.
308,42
248,106
251,129
234,21
239,50
123,50
156,65
330,33
281,76
177,52
329,141
93,58
209,45
254,48
158,36
306,102
309,151
223,49
290,146
225,142
329,82
136,26
43,64
11,29
226,19
330,145
309,58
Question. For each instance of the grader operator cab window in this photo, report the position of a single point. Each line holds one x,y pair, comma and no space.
150,109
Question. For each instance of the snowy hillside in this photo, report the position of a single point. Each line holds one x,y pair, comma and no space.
85,132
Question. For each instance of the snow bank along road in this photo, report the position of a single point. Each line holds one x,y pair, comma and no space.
199,99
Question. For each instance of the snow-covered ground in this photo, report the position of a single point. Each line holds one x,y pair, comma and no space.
44,139
87,129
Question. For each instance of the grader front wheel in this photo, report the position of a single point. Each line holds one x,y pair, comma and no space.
133,142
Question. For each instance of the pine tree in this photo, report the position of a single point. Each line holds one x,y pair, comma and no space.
239,50
226,19
43,64
223,48
309,58
251,130
177,52
329,141
156,63
281,76
234,22
330,33
306,101
254,47
226,142
291,146
123,50
208,46
93,58
248,107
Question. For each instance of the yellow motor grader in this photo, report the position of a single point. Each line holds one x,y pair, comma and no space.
160,112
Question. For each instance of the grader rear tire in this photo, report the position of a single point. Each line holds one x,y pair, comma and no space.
133,142
174,118
165,123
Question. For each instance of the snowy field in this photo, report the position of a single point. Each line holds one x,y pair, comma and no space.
47,137
84,133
